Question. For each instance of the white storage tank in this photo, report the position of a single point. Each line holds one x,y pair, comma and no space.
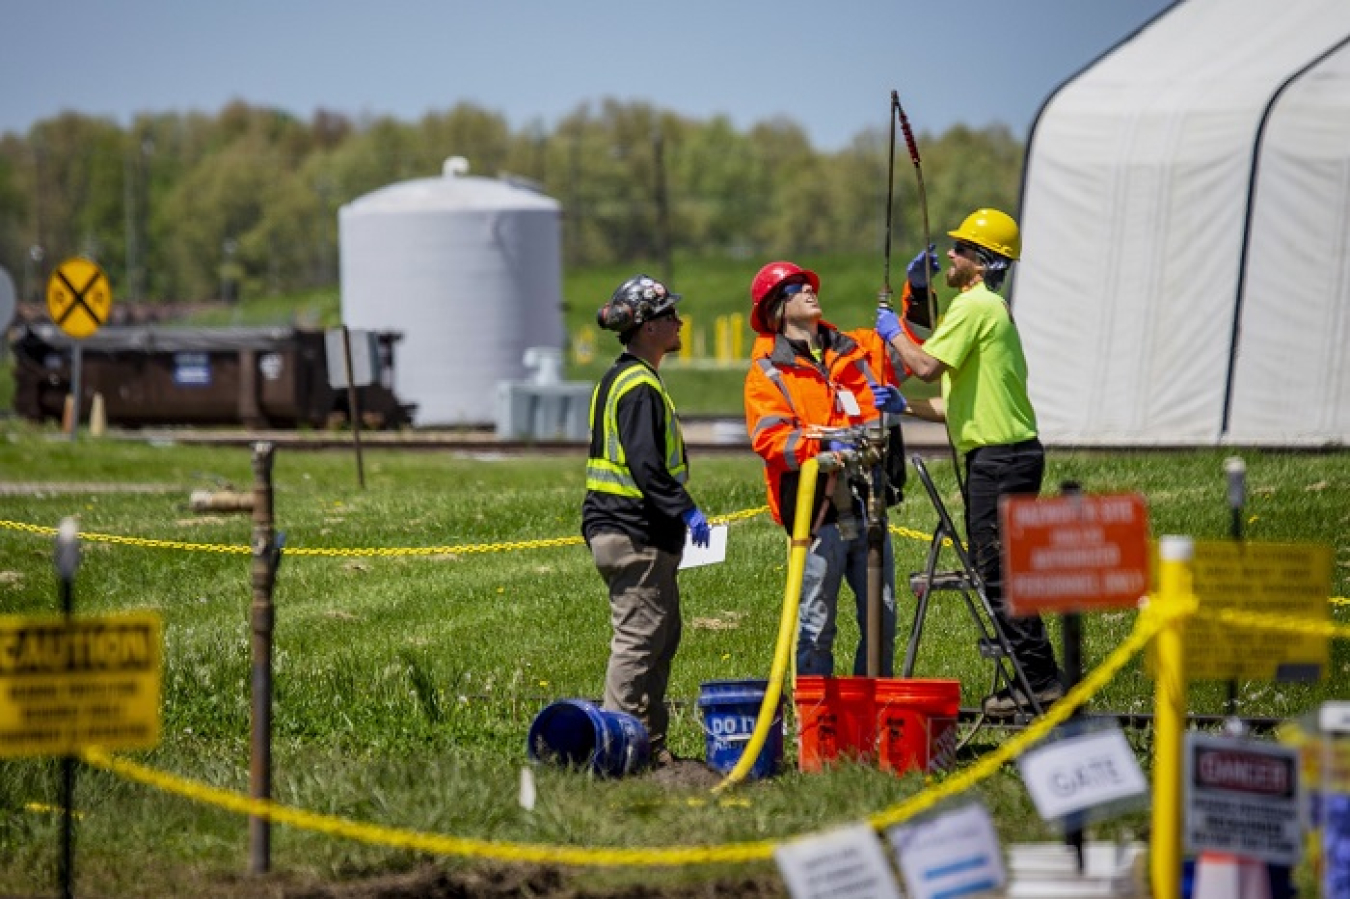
469,269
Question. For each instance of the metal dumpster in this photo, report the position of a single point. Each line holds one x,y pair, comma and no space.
258,377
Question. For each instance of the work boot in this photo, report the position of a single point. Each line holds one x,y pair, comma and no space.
1009,701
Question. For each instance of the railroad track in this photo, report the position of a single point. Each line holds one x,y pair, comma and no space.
703,436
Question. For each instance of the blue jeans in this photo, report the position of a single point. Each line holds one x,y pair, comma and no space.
830,561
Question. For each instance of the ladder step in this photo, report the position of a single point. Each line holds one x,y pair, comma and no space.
920,582
990,648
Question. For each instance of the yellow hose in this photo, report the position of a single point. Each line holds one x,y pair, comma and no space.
787,626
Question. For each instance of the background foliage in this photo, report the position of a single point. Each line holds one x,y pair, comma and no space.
187,206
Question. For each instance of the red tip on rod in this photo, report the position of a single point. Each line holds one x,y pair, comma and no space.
909,134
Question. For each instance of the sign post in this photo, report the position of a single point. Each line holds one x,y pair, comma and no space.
67,561
79,297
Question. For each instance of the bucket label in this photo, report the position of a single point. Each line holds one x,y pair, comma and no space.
731,728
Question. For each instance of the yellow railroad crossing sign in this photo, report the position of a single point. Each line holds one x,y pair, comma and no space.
84,681
79,297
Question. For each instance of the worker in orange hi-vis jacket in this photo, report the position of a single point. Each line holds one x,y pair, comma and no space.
805,374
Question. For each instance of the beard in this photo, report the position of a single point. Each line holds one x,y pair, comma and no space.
961,276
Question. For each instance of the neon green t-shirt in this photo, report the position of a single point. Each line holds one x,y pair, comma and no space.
985,385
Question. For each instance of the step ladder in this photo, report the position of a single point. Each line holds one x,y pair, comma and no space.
965,581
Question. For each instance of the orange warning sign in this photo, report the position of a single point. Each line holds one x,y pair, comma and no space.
1074,553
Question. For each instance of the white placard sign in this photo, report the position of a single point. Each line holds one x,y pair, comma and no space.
1077,773
847,863
952,854
1242,798
365,357
714,552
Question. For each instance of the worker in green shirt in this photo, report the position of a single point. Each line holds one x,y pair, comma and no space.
977,353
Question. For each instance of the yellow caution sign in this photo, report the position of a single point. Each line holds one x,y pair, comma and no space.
79,297
1291,581
67,684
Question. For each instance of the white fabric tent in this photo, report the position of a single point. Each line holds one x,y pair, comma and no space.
1185,275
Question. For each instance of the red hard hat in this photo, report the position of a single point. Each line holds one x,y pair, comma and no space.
766,282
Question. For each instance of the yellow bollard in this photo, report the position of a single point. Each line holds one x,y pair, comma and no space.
98,417
68,420
737,327
1175,588
686,338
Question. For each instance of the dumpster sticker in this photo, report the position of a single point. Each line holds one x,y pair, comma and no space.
192,369
271,365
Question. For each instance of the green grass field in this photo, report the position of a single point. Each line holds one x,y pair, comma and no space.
406,681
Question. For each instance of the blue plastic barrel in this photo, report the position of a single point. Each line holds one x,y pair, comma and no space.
729,709
575,733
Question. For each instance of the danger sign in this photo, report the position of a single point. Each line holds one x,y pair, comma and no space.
87,681
1073,553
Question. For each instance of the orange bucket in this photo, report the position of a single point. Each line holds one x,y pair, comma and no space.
916,722
835,716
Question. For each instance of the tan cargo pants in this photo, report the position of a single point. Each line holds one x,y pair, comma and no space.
644,612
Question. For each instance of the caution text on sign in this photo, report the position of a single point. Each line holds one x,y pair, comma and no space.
1288,580
87,681
1074,553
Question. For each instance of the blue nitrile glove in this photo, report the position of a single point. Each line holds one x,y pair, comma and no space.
888,399
918,272
888,323
699,530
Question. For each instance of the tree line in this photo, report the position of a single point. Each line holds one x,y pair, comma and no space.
187,207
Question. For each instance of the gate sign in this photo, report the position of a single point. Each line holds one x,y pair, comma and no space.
79,297
86,681
1072,553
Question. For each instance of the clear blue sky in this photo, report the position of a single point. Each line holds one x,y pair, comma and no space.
830,66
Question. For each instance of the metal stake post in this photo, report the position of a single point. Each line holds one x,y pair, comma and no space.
1236,470
67,560
266,558
352,406
876,546
1072,628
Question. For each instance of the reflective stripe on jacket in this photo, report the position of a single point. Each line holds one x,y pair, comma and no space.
787,394
610,473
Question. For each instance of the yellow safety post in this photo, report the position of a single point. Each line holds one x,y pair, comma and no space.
1175,591
737,328
721,340
787,625
686,338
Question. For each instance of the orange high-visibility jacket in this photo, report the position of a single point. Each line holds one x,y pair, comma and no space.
786,394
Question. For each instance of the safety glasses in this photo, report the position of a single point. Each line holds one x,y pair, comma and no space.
792,288
968,250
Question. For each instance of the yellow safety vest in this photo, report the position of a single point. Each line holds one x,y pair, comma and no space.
610,474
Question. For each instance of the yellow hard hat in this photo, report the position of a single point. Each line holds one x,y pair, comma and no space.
993,230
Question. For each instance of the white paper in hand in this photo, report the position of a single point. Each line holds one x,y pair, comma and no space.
715,551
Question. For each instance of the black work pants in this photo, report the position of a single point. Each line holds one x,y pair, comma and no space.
992,472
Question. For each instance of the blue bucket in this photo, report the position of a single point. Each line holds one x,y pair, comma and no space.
729,710
577,733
